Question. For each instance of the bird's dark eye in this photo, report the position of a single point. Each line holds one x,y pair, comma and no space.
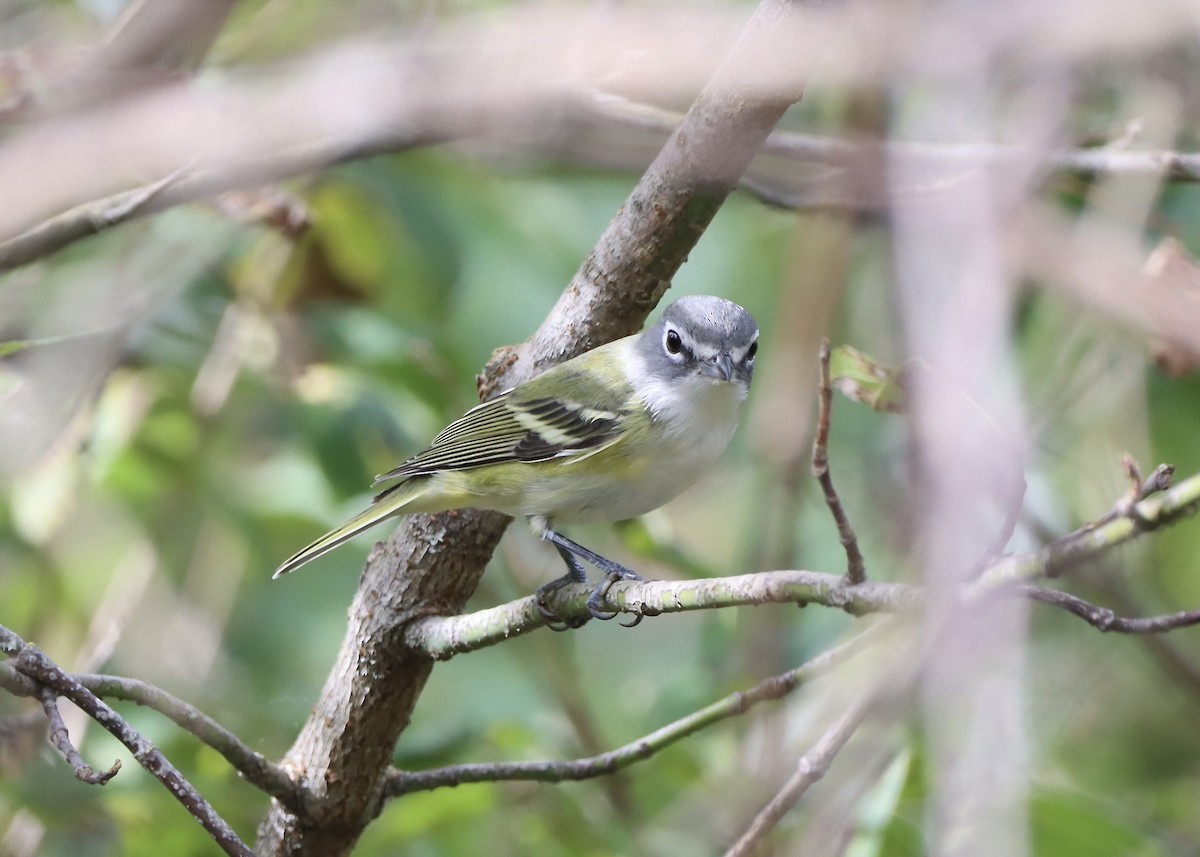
752,350
674,343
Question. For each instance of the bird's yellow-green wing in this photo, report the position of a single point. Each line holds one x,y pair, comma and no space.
561,413
575,409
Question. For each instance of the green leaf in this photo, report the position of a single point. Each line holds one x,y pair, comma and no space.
861,378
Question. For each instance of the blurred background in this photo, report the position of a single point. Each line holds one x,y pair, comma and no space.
188,397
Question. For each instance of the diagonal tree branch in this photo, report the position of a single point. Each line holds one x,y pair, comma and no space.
775,687
32,663
1148,514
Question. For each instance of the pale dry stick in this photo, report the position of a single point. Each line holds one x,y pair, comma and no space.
89,218
36,665
856,571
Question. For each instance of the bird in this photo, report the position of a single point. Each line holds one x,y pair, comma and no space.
608,435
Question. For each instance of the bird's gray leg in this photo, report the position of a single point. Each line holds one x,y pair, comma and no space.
571,552
575,574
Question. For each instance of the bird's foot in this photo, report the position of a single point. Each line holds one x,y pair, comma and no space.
614,573
553,621
571,553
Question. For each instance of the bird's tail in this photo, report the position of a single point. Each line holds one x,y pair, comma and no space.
387,504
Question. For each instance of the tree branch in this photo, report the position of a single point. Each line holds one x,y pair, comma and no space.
1105,619
253,766
854,155
443,637
32,674
1159,510
411,124
32,663
61,739
775,687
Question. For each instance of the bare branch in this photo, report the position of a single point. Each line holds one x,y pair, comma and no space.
252,765
776,687
1104,618
192,183
855,569
32,663
810,148
443,637
189,184
1160,509
61,739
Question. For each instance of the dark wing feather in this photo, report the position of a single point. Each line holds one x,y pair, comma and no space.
516,428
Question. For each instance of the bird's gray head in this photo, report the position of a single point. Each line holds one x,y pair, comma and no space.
702,336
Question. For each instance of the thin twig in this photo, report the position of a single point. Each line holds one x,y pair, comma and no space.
856,571
1127,507
252,765
403,782
1177,662
61,739
1157,508
812,767
1139,489
36,665
1105,619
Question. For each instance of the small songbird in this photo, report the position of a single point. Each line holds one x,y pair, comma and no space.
608,435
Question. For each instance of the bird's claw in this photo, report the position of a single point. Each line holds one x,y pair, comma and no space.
600,593
553,621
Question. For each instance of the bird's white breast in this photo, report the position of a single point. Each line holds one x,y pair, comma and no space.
694,420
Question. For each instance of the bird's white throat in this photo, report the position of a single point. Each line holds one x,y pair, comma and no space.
696,405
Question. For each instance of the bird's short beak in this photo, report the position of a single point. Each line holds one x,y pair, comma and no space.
720,365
